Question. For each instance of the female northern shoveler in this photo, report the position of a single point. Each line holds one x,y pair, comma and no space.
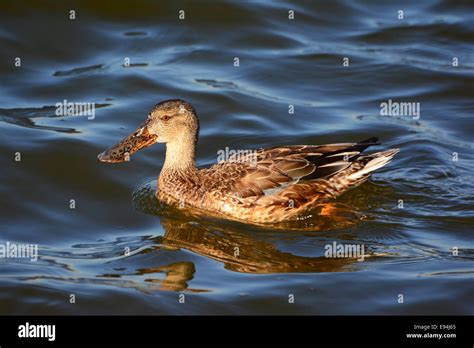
265,186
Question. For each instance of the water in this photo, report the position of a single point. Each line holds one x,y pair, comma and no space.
82,251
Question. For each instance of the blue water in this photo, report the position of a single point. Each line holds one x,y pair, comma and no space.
120,253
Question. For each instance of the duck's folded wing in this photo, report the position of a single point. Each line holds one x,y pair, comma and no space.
268,171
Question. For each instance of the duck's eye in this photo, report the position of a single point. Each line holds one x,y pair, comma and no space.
165,118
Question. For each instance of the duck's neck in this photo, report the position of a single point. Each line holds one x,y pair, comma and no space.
180,155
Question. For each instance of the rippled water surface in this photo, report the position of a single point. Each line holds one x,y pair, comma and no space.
411,216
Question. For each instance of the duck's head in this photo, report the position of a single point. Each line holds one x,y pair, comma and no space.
171,121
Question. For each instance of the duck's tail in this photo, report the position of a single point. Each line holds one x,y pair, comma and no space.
359,171
365,165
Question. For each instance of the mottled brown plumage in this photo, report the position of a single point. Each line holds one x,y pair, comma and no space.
262,186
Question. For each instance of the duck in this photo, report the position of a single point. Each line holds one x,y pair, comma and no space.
261,186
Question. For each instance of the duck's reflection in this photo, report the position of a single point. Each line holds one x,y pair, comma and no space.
242,251
158,264
177,275
240,248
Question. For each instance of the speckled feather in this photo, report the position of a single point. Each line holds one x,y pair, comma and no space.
276,185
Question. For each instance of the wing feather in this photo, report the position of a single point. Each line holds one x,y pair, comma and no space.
267,172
